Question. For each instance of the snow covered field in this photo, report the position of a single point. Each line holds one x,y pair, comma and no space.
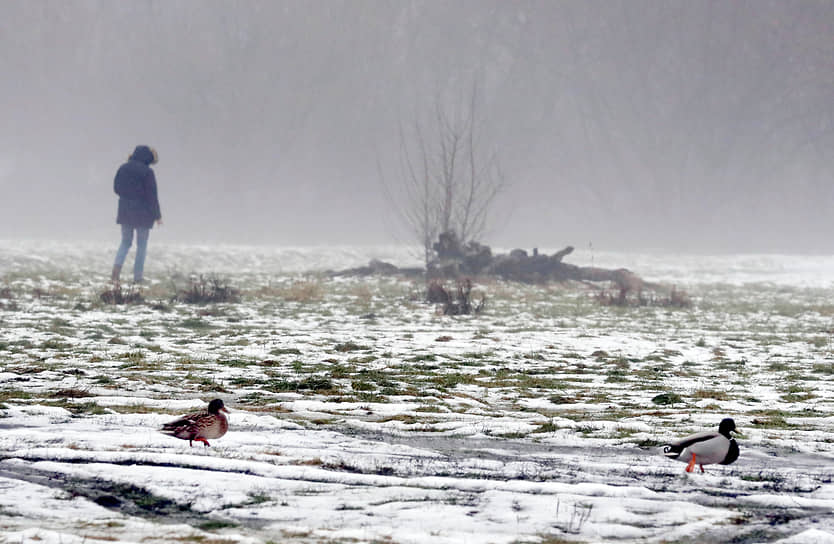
361,415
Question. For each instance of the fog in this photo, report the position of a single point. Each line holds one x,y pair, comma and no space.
687,126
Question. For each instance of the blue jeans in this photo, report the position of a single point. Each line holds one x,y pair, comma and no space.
142,234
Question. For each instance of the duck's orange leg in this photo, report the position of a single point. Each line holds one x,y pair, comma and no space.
691,464
206,443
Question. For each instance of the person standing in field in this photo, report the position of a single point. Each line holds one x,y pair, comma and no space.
135,183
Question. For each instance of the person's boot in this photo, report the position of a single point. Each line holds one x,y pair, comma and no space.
117,272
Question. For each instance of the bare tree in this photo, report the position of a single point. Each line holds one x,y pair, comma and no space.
448,176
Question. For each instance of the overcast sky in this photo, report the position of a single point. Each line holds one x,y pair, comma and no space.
691,125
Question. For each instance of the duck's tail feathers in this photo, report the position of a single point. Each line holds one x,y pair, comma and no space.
672,451
171,428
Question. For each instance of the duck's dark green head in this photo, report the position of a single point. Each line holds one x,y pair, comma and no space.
727,426
216,405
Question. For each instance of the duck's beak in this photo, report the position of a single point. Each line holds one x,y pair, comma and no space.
224,410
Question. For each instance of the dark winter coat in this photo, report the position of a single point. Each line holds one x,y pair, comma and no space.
135,184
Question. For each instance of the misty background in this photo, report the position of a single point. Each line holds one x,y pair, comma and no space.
675,125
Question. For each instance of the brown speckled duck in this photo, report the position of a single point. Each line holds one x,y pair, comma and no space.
200,426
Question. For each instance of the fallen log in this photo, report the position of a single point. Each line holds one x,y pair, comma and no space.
456,261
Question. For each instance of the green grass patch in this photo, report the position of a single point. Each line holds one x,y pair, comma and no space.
285,351
823,368
667,398
350,346
195,323
312,383
711,394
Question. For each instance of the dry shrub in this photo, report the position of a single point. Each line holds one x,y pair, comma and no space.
436,293
363,293
205,289
119,294
70,393
302,291
297,291
6,295
625,297
457,301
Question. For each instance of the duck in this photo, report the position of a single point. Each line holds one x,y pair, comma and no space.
706,448
200,426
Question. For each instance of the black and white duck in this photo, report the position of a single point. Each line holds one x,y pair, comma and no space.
706,448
